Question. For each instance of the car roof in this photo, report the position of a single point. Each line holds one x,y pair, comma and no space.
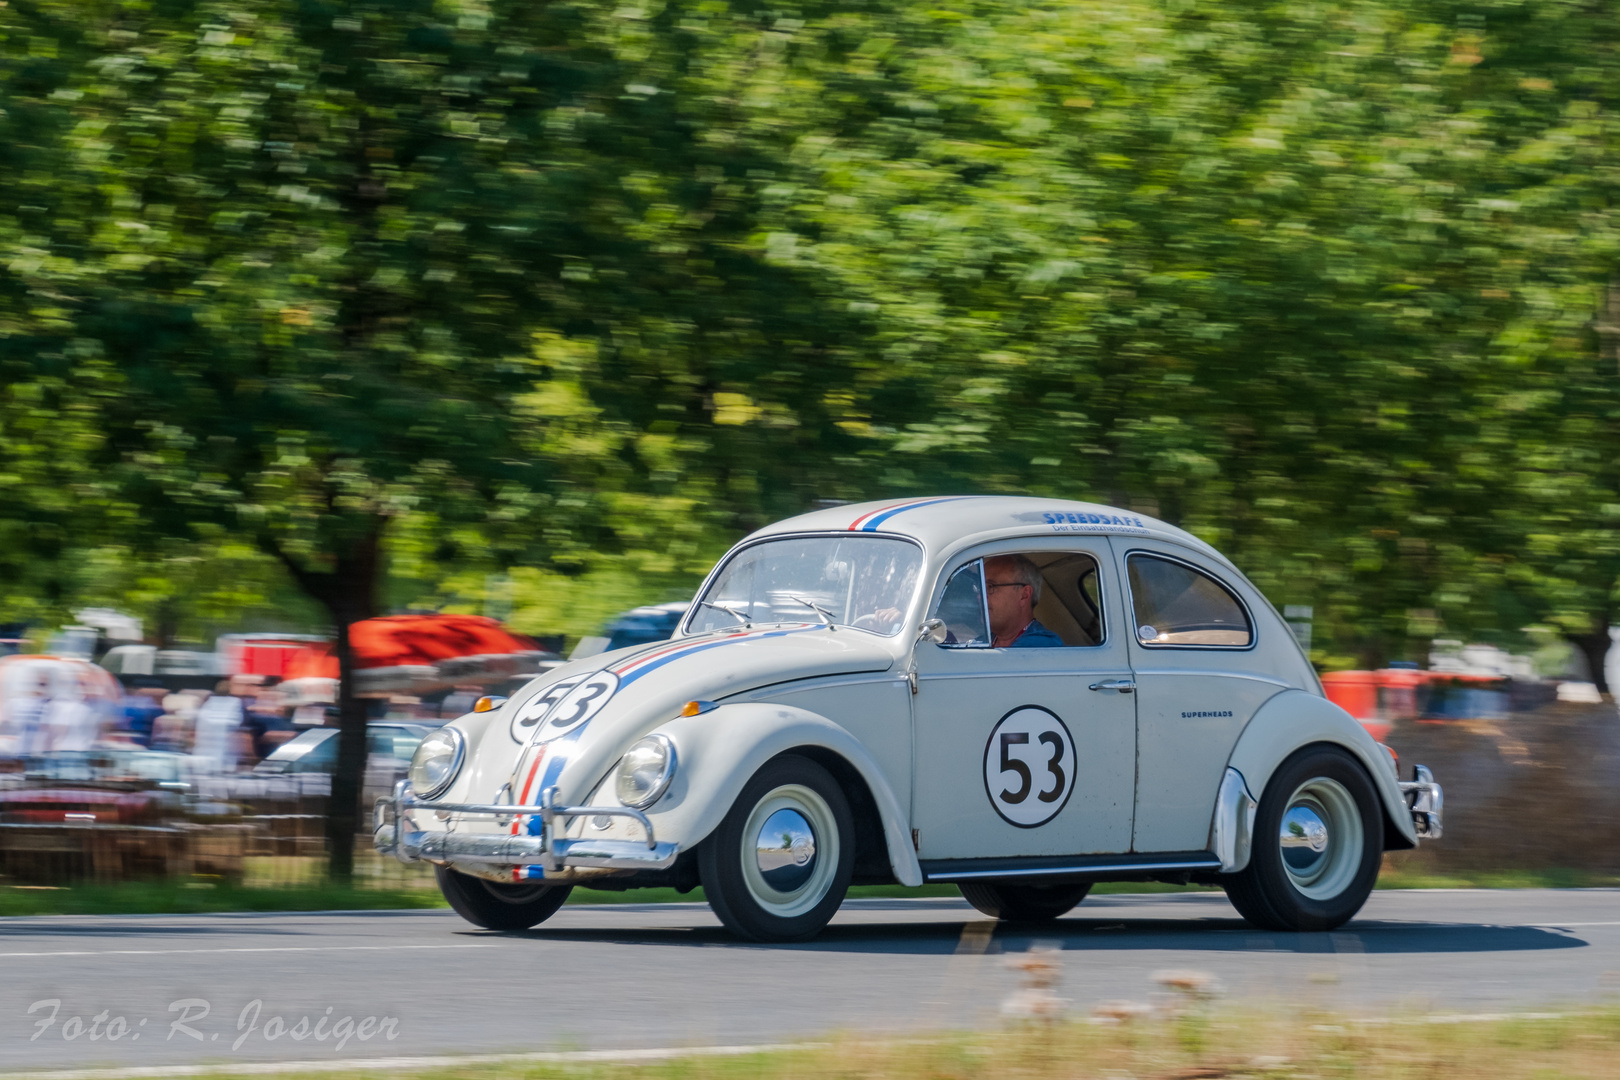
947,521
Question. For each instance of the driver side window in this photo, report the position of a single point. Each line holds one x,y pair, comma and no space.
1061,606
961,607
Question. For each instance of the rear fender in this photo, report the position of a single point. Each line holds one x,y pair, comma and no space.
1295,719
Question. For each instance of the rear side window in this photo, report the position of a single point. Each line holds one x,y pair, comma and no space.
1177,605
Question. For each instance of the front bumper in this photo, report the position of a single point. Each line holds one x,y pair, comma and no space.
1426,801
396,834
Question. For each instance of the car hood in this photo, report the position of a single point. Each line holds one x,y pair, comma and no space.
649,685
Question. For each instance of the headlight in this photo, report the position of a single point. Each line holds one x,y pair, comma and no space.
645,772
436,762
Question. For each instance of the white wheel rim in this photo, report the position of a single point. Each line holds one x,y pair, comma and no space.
793,805
1321,839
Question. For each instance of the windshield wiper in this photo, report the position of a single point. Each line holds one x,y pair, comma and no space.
826,616
739,616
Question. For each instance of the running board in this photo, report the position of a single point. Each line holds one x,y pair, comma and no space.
1074,866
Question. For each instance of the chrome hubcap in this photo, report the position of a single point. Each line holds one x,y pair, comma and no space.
786,850
1304,839
1321,838
790,850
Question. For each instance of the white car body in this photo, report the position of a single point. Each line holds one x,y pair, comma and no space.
1153,756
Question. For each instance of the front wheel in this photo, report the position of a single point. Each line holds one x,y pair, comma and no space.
1024,903
495,905
1318,840
779,864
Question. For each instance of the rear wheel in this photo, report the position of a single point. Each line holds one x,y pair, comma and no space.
1024,903
495,905
779,864
1318,841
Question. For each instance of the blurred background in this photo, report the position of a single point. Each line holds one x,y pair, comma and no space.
481,326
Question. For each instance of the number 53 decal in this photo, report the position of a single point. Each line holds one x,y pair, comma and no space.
1029,766
563,706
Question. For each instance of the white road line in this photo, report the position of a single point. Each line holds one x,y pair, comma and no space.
271,1068
257,949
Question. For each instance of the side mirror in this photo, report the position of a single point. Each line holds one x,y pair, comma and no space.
932,630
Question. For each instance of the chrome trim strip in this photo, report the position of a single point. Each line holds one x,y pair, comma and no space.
1085,870
1251,676
1232,834
1015,674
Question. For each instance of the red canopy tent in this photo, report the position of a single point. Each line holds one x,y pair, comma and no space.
416,654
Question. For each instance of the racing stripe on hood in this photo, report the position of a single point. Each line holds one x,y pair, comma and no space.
631,670
557,755
554,755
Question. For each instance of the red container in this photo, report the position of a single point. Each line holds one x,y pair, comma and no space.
263,654
1356,692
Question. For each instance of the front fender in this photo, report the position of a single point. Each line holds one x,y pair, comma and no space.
718,751
1296,718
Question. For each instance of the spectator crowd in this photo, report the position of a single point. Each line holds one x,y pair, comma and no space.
238,723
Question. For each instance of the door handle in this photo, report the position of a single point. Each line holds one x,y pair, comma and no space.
1124,686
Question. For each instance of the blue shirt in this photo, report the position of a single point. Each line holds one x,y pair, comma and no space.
1036,636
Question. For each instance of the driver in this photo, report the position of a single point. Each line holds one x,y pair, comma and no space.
1015,588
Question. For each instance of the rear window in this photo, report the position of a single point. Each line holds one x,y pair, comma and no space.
1176,605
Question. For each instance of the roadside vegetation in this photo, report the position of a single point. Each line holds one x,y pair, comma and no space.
1188,1044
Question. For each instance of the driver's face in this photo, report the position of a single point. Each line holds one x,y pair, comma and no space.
1010,601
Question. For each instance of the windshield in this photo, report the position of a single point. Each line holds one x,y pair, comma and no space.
862,581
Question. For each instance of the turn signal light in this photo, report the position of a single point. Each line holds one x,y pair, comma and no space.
488,704
695,708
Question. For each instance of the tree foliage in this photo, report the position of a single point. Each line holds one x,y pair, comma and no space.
404,295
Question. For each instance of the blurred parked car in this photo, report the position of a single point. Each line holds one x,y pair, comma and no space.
645,625
388,754
112,815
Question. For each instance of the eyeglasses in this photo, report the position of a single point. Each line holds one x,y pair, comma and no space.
1006,585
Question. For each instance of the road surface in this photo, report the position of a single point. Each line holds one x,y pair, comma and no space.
190,990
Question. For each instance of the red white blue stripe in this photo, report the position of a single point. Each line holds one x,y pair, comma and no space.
554,755
870,521
631,670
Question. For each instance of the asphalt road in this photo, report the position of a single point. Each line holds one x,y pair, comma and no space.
667,975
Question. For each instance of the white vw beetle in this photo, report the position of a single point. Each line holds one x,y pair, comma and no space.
1020,696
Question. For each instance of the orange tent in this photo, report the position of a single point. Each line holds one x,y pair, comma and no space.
417,654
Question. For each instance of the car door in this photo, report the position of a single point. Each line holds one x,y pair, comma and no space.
1025,751
1200,674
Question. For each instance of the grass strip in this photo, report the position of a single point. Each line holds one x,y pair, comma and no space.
200,897
1185,1041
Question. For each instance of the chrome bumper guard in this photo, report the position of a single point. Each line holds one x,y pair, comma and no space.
1426,801
409,844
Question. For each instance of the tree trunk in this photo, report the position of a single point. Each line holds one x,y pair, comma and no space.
353,599
344,813
349,594
1595,647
